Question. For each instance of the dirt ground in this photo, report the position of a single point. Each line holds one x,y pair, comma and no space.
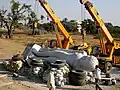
19,41
10,47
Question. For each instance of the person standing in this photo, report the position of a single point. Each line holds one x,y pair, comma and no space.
97,77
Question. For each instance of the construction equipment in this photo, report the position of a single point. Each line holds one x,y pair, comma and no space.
110,49
67,38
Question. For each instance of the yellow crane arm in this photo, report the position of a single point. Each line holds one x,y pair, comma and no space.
50,12
95,15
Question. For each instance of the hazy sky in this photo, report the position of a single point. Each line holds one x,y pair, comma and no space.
109,9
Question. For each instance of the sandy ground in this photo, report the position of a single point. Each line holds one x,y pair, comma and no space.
10,47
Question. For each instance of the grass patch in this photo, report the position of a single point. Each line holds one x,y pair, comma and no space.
3,31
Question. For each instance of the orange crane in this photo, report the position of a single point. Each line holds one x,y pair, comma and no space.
67,38
110,49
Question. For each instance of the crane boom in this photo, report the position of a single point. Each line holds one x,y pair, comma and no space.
50,12
110,50
95,15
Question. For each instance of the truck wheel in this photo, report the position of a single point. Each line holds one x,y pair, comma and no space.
77,78
78,75
77,82
108,67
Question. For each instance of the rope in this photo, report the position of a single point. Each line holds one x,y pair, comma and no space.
36,7
83,13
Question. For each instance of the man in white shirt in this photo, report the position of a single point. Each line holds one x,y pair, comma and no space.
97,73
97,77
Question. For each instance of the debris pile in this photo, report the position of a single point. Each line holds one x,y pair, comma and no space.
55,66
14,64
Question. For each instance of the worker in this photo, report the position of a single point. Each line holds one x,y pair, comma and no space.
35,24
89,49
83,35
51,80
97,77
97,74
35,27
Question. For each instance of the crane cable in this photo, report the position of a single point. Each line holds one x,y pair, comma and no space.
36,7
83,13
83,30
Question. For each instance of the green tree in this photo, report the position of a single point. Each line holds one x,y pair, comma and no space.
48,27
65,20
2,13
116,31
31,18
89,26
17,13
84,24
69,25
110,27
